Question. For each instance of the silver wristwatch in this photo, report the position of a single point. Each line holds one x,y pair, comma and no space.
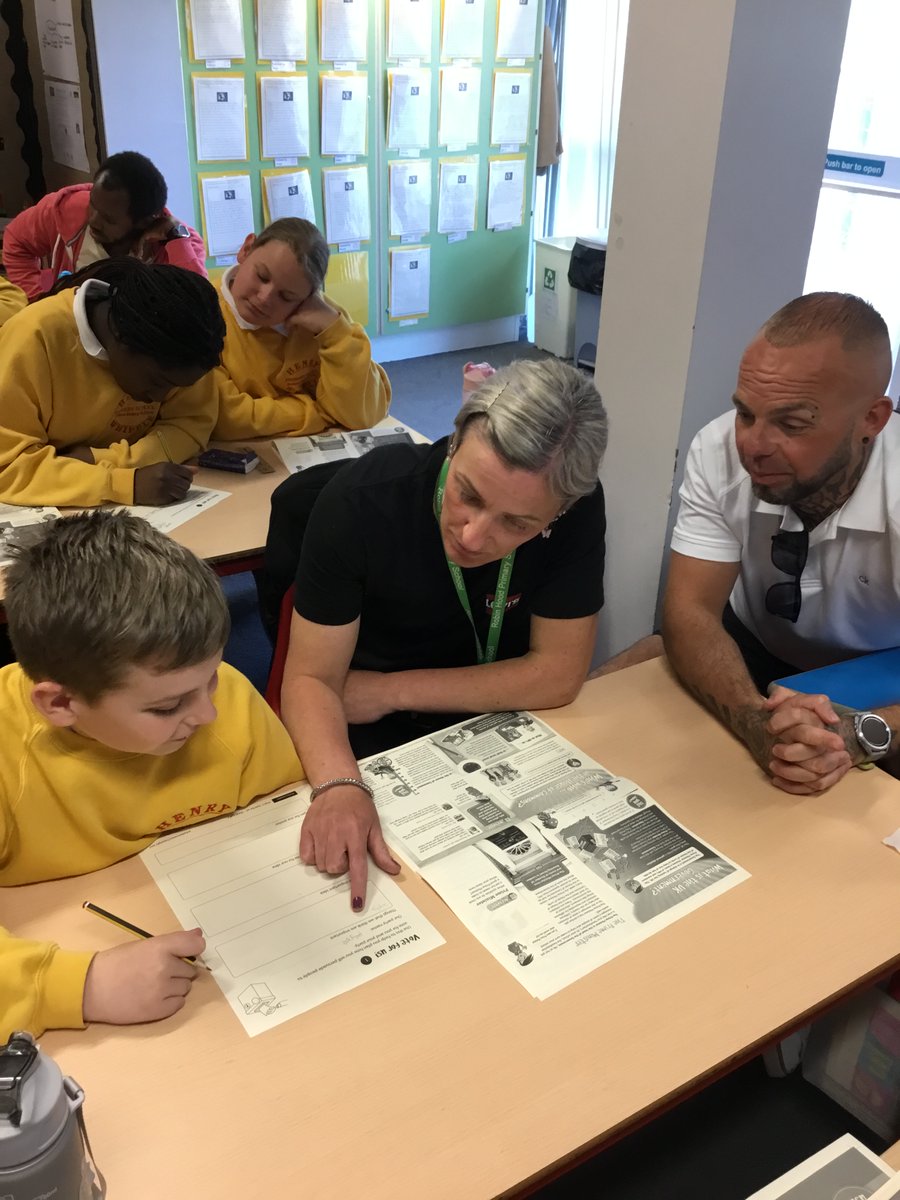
873,734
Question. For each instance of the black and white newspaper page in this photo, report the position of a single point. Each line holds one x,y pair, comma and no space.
555,864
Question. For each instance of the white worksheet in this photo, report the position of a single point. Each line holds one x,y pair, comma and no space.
344,30
66,121
509,111
217,30
19,524
410,282
346,204
462,31
409,29
290,195
410,197
409,108
281,30
460,93
344,102
281,938
516,28
285,116
167,517
457,196
228,212
506,192
56,34
220,116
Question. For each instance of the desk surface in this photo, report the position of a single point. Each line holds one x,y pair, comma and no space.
445,1078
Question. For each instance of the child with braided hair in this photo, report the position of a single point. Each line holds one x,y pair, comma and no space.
107,387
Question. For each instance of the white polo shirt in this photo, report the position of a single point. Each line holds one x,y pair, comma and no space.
851,582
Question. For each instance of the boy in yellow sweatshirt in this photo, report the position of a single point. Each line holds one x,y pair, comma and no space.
294,362
119,721
12,299
108,388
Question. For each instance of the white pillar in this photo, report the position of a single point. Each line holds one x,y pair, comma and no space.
725,114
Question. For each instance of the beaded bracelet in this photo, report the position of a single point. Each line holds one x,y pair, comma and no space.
331,783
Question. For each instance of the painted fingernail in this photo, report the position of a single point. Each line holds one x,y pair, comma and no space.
357,903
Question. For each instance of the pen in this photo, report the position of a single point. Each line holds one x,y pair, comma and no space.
127,925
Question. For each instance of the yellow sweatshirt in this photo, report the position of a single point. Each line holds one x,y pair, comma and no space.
69,805
272,384
12,299
54,394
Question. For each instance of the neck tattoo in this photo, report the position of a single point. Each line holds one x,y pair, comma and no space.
812,510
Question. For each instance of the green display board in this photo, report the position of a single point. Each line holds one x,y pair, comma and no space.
479,277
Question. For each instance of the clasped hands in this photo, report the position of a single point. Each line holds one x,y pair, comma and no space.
801,742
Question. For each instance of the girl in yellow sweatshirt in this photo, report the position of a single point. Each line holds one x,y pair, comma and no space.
294,362
12,299
106,389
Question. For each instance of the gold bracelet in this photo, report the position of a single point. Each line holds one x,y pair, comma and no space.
331,783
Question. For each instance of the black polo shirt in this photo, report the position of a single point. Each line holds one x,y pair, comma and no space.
372,549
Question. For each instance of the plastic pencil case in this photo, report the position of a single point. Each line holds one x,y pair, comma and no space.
239,461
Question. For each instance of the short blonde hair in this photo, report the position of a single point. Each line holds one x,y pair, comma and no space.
98,593
823,314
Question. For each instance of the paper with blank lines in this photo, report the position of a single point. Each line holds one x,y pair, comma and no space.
281,938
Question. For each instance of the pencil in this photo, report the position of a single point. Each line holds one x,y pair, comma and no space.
127,925
162,442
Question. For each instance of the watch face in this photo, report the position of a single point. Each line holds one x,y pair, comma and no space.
875,731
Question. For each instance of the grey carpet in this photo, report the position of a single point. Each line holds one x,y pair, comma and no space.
427,392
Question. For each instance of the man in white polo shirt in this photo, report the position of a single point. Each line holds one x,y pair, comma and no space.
790,524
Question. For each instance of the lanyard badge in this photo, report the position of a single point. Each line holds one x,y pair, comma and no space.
498,609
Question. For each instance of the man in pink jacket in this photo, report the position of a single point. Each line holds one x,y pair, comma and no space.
123,212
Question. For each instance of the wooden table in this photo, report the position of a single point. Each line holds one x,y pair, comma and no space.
232,534
445,1079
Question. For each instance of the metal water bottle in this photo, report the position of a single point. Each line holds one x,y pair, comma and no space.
42,1138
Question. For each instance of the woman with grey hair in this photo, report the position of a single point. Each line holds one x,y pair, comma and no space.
438,581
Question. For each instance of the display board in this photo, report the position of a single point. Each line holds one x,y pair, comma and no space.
346,112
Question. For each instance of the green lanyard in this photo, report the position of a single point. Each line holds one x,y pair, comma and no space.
498,609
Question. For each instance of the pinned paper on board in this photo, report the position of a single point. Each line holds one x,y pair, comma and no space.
343,30
510,108
457,195
410,198
220,117
56,34
506,192
344,102
410,287
66,121
347,284
227,212
516,28
408,29
462,29
346,204
287,194
460,95
409,108
284,116
217,29
281,30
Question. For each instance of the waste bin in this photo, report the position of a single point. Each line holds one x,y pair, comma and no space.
587,265
554,299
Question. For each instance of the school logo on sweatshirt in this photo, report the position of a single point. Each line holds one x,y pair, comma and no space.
133,418
198,812
301,376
